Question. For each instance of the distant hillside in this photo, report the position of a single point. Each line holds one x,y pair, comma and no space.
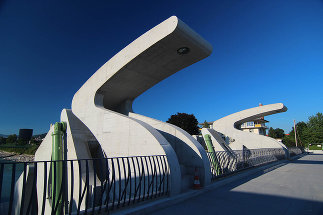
40,135
35,136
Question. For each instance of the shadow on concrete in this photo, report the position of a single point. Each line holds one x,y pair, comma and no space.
229,202
225,200
307,162
185,155
315,154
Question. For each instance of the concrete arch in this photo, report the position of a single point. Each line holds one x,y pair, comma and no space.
218,143
229,125
104,102
102,108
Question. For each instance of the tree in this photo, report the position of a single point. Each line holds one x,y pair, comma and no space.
301,128
187,122
12,138
3,140
271,133
306,133
280,133
206,125
289,140
313,133
276,133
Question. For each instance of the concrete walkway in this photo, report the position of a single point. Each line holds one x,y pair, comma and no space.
295,188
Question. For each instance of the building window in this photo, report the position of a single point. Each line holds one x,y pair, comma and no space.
250,124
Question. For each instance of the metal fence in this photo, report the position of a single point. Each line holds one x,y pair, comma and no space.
293,151
224,163
86,186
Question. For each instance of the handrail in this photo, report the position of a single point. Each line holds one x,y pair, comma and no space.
242,159
87,185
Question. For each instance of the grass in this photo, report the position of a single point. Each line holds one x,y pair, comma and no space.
315,147
19,149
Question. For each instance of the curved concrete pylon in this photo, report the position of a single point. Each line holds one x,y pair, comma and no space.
229,127
218,143
101,110
190,153
104,102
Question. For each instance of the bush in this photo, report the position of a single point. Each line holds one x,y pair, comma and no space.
3,140
19,149
11,138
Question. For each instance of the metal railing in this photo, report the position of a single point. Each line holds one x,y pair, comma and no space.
87,186
224,163
293,151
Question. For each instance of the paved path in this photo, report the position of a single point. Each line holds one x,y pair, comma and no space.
295,188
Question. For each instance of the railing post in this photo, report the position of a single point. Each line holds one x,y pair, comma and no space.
57,170
210,149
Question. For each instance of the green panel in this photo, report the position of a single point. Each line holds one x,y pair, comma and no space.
57,155
210,149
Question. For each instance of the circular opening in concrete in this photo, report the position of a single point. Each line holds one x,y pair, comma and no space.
183,50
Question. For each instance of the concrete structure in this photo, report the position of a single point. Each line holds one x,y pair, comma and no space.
217,141
101,117
229,133
235,138
104,102
210,124
257,125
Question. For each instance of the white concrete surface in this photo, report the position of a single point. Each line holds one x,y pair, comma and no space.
217,141
190,153
315,151
229,127
104,102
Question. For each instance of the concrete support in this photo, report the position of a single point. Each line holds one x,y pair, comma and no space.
189,151
104,102
229,126
218,143
101,113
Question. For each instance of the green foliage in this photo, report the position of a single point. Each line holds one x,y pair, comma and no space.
19,149
12,138
301,129
306,133
22,142
315,147
280,133
3,140
314,130
206,125
271,132
276,133
289,141
187,122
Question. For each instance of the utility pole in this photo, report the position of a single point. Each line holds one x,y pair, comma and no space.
295,133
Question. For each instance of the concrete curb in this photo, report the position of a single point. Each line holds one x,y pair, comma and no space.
149,207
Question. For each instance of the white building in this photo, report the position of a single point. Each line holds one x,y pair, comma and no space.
257,125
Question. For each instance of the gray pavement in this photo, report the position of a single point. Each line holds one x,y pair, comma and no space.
295,188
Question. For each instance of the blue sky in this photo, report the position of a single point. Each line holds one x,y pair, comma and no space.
263,52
